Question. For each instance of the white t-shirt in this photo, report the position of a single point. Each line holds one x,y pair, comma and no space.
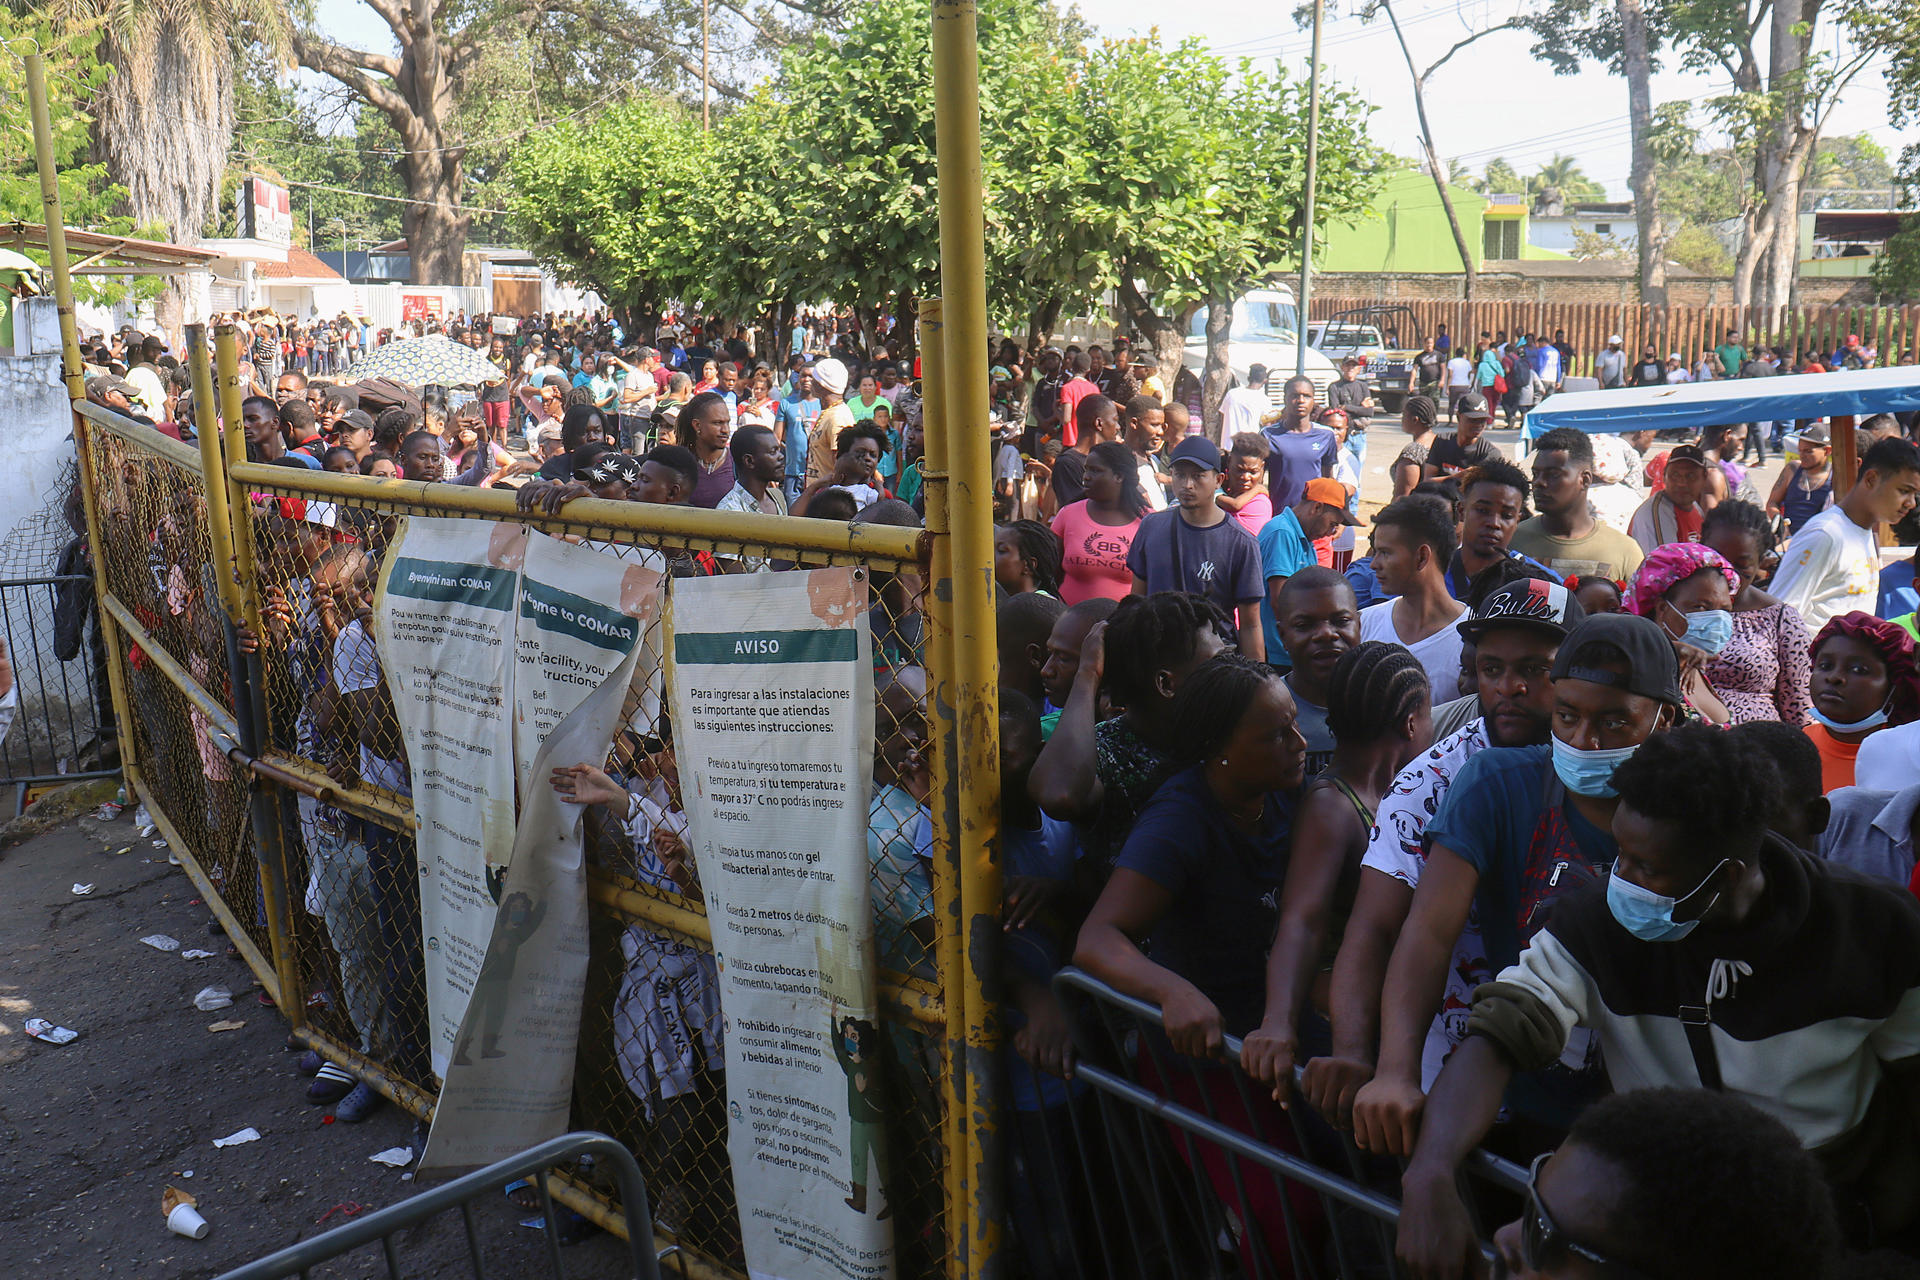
1459,374
1242,408
356,666
1439,653
1347,472
1151,486
1398,848
1831,567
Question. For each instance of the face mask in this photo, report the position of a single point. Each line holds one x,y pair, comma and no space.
1647,915
1873,721
1588,773
1708,631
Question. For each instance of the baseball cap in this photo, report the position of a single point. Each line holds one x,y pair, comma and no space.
1686,453
831,374
1204,452
1613,339
1652,670
1328,493
355,420
1473,405
324,514
106,383
1817,434
1853,339
1525,602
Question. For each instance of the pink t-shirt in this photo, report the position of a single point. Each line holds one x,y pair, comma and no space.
1094,555
1256,513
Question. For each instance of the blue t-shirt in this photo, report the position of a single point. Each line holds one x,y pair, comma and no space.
1284,551
1298,456
1225,890
1366,585
794,416
1497,816
1897,593
1221,562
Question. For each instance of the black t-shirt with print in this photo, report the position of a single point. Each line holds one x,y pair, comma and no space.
1452,457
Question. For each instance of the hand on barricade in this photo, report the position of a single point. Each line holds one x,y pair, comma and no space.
1386,1116
1027,897
1046,1043
1436,1239
1193,1023
244,638
589,784
1267,1057
1330,1085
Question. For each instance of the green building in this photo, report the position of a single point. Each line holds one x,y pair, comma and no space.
1407,231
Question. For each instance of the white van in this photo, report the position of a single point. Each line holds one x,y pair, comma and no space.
1265,331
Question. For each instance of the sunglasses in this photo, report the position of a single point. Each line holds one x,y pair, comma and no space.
1543,1243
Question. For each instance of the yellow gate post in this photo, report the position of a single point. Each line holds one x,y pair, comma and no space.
71,374
976,669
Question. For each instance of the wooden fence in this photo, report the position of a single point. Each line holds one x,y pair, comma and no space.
1801,333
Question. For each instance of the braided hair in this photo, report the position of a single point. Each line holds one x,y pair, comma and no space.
1375,686
1421,409
1208,709
1147,634
1736,516
1040,550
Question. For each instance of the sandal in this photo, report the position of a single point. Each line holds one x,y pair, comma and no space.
361,1101
329,1086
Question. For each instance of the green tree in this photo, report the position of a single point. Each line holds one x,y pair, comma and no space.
1500,176
1698,249
1564,174
1855,167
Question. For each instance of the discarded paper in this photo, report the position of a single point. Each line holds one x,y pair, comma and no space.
249,1134
211,998
393,1157
82,890
230,1025
196,954
41,1029
173,1197
161,942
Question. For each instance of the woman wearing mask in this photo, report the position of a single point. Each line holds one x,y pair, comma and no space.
1686,588
1864,680
1762,673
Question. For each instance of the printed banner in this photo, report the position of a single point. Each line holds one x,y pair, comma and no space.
582,612
509,1085
772,688
445,626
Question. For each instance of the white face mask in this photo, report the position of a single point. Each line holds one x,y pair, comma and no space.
1873,721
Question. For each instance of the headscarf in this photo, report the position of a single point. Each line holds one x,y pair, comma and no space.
1665,565
1895,647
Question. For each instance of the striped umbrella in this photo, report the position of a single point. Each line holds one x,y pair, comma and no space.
433,361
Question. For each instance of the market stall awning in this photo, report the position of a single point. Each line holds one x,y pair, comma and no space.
90,253
1690,406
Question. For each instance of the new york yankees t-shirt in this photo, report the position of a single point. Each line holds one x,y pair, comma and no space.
1220,561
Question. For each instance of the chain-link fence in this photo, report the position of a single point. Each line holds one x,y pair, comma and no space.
291,723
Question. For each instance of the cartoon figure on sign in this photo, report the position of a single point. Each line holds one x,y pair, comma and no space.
856,1043
519,920
835,596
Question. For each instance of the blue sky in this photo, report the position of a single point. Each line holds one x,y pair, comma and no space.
1491,99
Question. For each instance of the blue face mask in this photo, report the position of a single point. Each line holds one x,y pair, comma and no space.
1647,915
1709,630
1588,773
1873,721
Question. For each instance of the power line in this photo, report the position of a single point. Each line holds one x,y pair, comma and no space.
368,195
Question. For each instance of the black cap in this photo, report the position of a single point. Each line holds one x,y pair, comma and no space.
1652,669
105,383
354,419
1525,602
1686,453
1197,449
1472,405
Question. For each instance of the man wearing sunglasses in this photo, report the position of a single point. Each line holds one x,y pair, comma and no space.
1660,1184
1716,955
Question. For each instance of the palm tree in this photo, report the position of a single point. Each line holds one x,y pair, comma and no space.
163,122
1565,173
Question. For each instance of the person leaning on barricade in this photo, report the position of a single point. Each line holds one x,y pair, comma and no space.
1716,954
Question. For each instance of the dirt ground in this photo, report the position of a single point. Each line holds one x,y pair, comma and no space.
91,1132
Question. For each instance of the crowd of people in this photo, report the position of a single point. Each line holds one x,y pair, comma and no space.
1679,865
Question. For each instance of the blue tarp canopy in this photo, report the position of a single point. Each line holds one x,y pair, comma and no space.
1690,406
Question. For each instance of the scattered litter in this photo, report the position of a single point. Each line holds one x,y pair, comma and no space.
326,1119
127,849
196,954
249,1134
82,890
211,998
229,1025
143,821
186,1173
161,942
183,1219
159,844
173,859
107,811
406,1177
393,1157
345,1209
538,1224
41,1029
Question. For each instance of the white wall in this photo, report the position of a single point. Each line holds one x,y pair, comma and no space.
37,425
1557,233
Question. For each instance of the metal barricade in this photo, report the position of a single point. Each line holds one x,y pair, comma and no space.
1205,1174
383,1226
57,732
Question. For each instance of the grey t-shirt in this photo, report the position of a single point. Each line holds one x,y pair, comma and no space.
1313,727
1872,832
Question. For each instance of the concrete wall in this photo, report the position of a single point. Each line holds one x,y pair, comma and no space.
38,428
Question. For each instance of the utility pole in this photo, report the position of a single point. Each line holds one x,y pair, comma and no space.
706,79
1313,171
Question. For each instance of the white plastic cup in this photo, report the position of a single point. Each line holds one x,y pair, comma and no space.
185,1220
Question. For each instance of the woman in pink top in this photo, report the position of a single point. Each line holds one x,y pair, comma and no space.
1096,532
1243,489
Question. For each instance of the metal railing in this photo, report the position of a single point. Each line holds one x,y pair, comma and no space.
57,729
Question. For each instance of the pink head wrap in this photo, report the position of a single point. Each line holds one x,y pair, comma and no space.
1666,565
